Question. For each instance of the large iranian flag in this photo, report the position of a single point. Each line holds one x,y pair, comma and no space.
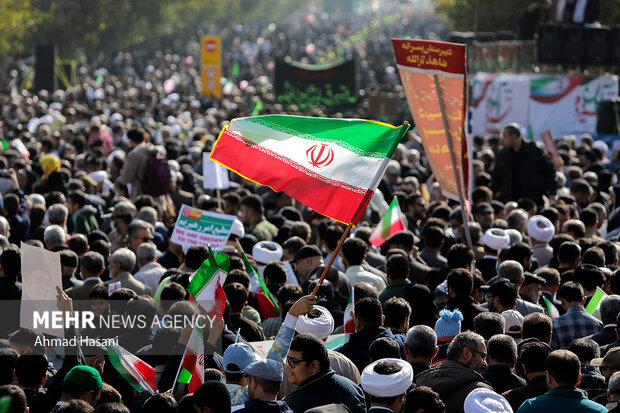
392,221
331,165
139,374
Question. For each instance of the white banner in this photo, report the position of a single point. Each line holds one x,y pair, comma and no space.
197,227
214,175
497,99
567,105
40,277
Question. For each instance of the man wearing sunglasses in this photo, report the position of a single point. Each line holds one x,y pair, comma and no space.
309,368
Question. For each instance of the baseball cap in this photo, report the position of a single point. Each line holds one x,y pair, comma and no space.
84,376
123,209
265,369
532,278
239,354
611,359
514,322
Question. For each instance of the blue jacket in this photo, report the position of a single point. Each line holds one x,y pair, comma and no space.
561,399
326,388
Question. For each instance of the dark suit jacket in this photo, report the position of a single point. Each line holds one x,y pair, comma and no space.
469,308
606,336
537,387
486,266
81,292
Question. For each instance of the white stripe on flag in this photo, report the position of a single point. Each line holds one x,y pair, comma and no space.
356,170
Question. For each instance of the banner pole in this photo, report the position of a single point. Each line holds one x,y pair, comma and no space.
333,257
218,192
453,159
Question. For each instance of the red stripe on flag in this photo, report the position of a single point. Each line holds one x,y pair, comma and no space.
331,198
147,372
220,303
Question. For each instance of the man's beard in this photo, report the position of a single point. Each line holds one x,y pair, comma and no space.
474,366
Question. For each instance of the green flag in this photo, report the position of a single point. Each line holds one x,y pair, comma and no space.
235,69
595,301
257,108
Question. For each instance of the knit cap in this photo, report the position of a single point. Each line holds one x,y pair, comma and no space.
449,323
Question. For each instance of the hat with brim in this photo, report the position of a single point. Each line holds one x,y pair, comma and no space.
611,359
531,278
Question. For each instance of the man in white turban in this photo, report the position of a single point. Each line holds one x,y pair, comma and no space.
541,231
386,381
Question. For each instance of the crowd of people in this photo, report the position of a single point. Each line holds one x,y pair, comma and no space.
525,319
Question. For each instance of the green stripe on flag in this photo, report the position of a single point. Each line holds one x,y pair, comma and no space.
595,300
364,137
207,270
184,376
250,270
386,222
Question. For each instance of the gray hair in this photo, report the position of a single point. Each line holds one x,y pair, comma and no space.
516,218
125,258
512,270
136,225
147,251
614,383
610,307
4,226
421,340
54,235
148,214
467,339
37,199
57,214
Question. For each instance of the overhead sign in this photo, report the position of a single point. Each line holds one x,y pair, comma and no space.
211,65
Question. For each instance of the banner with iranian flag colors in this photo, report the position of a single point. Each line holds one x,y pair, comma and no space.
331,165
497,99
568,105
192,368
419,63
140,375
392,221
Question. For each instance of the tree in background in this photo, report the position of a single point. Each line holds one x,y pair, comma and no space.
496,15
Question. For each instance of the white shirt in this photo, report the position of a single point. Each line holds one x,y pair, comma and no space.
357,274
150,274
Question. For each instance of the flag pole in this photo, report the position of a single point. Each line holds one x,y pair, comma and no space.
453,159
218,192
333,257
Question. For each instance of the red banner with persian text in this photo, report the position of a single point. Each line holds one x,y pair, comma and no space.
419,63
